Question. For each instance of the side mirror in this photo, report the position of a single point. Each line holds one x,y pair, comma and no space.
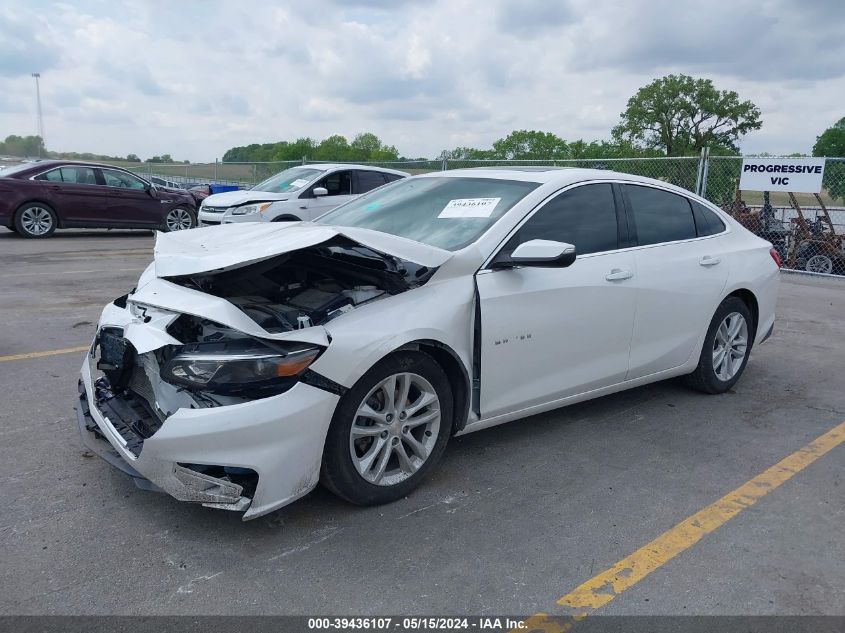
320,191
152,190
541,253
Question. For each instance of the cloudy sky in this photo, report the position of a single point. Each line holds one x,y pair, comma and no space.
193,78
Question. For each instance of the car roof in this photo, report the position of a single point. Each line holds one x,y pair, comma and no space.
328,166
55,162
559,176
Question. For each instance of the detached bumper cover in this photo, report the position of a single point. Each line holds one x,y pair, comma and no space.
281,438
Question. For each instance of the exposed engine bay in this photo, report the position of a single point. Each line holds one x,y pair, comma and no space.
302,288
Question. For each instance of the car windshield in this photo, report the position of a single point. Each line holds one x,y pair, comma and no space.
289,180
14,169
446,212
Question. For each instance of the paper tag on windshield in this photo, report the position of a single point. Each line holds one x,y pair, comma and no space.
469,208
298,183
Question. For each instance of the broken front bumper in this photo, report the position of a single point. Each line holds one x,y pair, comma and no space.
280,438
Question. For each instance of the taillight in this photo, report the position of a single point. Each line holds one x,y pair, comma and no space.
776,257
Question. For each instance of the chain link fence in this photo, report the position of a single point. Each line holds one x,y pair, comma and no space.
806,229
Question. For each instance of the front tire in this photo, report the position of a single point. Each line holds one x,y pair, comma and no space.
35,220
179,219
389,430
726,348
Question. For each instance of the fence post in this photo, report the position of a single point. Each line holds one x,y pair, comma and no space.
254,172
445,161
215,169
701,174
304,159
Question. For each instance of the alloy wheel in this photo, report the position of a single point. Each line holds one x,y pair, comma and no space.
179,219
730,346
36,221
819,264
395,429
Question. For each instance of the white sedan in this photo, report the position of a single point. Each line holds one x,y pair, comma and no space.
254,361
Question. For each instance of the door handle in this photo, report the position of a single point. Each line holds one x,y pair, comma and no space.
617,274
707,260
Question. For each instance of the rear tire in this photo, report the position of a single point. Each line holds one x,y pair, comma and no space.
379,446
726,348
35,220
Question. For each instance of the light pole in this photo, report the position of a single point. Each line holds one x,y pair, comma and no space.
40,115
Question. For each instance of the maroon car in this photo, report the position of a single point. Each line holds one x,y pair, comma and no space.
37,198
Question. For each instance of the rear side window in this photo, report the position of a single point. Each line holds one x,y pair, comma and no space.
584,216
392,177
369,180
54,175
660,216
706,222
79,175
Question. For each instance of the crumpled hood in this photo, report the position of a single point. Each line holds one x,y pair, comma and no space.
237,198
232,245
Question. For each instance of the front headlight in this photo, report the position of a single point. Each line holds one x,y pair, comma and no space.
237,366
249,209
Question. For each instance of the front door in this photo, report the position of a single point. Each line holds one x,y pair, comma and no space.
339,187
130,202
549,333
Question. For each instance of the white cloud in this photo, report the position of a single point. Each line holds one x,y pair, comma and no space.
195,78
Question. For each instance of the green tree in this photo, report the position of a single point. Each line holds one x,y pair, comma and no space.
132,158
24,146
470,153
530,144
367,146
680,115
335,147
832,141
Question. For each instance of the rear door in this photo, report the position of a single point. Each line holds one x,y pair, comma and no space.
74,191
339,186
680,277
129,200
549,333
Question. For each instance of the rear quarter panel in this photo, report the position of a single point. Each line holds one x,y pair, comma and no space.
14,192
752,268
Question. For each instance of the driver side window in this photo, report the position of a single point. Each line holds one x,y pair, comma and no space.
120,179
584,216
337,184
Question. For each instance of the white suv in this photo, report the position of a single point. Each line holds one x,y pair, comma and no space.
298,193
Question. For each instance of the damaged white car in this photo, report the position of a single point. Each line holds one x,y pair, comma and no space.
254,361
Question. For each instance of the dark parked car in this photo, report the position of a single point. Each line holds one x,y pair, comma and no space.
37,198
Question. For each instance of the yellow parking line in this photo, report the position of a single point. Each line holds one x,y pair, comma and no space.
604,587
52,352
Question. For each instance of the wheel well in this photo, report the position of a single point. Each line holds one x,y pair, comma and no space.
455,372
748,298
287,218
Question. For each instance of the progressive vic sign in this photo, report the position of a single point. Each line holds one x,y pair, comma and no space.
799,175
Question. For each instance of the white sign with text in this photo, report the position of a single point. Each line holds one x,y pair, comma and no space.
798,175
